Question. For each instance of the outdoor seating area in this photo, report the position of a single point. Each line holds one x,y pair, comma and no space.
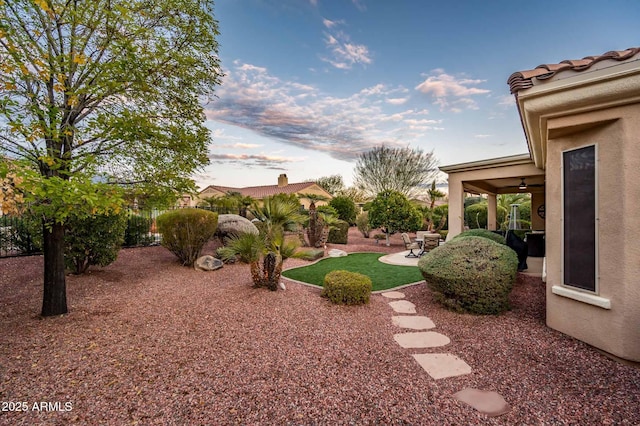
424,242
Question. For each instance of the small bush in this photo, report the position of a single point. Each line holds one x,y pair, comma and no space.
484,233
186,231
137,232
345,207
94,240
347,288
339,234
308,254
472,274
362,222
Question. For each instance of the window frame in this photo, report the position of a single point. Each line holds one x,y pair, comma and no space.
596,290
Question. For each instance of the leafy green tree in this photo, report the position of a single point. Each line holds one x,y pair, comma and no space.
393,212
345,207
394,169
102,87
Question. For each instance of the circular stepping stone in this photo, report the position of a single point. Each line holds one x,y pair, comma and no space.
403,307
421,339
393,294
413,322
487,402
441,366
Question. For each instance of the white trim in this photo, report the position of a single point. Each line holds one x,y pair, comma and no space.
580,296
490,163
596,211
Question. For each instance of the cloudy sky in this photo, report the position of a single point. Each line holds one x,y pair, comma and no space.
310,84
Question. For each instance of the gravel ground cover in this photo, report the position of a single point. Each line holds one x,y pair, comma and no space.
148,341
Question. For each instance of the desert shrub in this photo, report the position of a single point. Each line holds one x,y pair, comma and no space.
472,274
137,232
93,240
484,233
309,254
345,207
347,288
339,233
23,233
186,231
362,222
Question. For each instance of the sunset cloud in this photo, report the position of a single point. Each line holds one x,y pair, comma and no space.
451,93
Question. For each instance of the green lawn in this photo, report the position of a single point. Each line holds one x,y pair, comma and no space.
383,276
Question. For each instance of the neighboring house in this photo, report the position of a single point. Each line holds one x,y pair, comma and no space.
581,119
260,192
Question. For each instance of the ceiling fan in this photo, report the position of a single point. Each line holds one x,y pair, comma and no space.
524,186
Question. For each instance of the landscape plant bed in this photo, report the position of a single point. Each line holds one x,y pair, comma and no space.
148,341
383,276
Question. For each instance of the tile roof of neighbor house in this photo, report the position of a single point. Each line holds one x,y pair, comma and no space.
265,190
524,79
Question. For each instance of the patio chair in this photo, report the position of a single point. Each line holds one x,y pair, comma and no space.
428,241
409,245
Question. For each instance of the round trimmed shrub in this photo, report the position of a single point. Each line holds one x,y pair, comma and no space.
186,231
93,240
347,288
484,233
473,275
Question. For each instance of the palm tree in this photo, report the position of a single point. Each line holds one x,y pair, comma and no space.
315,227
434,195
313,198
267,251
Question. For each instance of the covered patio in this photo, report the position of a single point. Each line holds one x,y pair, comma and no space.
504,175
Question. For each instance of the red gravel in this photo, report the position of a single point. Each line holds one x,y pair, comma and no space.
148,341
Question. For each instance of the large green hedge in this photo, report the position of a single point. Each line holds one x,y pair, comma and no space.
472,274
484,233
186,231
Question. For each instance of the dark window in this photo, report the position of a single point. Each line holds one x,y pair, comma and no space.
579,180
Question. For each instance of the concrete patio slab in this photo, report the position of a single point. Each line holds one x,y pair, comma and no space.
441,366
421,339
487,402
393,294
399,259
413,322
403,307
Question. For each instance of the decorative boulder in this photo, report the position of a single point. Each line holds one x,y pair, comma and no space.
337,253
208,263
234,225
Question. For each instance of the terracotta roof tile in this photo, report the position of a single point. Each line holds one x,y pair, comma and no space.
522,80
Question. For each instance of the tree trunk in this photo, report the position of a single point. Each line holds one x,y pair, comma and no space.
54,300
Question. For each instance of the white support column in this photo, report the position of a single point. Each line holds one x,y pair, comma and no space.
456,207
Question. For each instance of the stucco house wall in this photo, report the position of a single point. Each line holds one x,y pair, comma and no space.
615,327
